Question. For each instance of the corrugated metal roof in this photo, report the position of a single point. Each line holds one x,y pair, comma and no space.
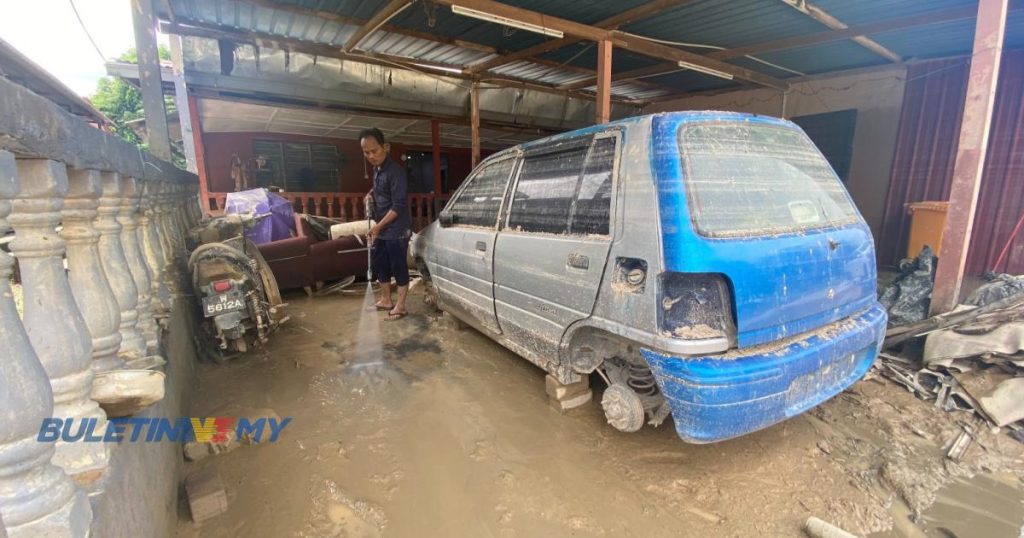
723,23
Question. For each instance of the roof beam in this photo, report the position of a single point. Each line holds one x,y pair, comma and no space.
212,31
627,76
352,21
630,15
394,7
823,17
620,39
903,23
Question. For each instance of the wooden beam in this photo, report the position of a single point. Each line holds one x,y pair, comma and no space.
626,41
823,17
604,81
212,31
197,137
394,7
654,70
474,122
969,165
902,23
630,15
150,82
435,142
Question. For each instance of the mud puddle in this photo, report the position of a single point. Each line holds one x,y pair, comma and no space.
452,435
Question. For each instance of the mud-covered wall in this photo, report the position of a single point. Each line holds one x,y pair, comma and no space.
877,95
140,489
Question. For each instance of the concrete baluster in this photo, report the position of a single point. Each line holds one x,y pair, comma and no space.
52,320
36,497
153,253
128,218
163,229
89,284
115,264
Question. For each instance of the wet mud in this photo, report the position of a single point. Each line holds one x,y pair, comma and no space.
425,430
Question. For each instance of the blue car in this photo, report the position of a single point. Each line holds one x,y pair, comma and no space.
706,265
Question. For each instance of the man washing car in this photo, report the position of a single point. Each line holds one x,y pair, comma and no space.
389,238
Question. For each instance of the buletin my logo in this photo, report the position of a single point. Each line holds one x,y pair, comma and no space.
158,429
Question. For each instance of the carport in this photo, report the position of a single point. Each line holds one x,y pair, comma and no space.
899,95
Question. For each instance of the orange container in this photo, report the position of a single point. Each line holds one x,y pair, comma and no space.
927,222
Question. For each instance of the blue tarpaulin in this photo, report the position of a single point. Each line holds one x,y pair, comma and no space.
279,221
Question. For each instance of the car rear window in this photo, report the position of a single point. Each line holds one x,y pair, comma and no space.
748,179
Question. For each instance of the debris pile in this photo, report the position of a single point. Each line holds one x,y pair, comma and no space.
973,358
908,297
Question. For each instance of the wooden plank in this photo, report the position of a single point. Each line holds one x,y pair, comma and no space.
197,138
604,81
969,165
394,7
825,18
150,82
474,122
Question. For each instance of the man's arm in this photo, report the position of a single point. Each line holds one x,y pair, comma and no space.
399,202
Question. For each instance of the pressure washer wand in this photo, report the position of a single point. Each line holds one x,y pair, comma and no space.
368,203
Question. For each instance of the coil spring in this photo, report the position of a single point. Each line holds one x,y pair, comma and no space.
642,380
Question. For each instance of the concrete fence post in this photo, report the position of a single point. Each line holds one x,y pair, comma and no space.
133,344
89,284
36,497
52,320
128,218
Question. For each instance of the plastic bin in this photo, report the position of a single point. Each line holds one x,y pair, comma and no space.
927,222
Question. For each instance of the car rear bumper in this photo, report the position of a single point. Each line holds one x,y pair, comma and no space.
719,397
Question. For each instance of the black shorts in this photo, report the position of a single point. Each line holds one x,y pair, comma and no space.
390,261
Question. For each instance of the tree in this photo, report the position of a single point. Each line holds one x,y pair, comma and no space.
122,102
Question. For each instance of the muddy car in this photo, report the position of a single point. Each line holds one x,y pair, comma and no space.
707,265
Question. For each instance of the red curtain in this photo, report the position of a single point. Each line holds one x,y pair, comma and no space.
925,150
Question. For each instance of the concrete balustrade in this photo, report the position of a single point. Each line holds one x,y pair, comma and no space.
122,244
52,320
153,252
89,285
115,263
36,497
128,218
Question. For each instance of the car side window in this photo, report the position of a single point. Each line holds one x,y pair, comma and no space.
479,202
594,199
547,188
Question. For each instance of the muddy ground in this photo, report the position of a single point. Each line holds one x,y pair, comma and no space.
452,435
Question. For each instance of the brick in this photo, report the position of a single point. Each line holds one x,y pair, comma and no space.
206,495
559,391
572,402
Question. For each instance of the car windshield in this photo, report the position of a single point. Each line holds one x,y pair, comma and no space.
758,179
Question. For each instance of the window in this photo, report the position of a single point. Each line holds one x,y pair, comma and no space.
478,203
759,179
298,166
547,187
594,200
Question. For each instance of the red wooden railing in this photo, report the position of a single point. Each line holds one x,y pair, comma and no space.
345,206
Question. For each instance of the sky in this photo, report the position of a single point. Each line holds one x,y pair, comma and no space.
48,32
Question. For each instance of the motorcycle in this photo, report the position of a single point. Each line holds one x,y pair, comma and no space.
239,298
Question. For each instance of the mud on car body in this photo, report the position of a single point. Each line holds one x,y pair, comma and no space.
707,265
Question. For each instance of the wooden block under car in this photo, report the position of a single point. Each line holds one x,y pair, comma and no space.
559,391
571,402
206,495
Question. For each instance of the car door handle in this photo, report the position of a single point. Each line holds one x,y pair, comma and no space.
481,246
578,261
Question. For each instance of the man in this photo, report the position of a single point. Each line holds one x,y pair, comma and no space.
390,237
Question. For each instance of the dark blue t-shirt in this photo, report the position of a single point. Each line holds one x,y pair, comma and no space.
390,192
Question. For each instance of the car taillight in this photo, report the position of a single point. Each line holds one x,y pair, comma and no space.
694,306
220,286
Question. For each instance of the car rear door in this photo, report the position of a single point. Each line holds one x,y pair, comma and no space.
462,250
550,254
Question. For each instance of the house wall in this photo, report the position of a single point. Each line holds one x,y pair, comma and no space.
877,95
220,147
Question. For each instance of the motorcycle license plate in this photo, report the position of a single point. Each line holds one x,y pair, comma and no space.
222,304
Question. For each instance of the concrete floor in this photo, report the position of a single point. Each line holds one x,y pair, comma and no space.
452,435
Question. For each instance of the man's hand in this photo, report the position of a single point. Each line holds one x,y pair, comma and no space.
372,236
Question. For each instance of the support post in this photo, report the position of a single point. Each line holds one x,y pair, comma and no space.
149,79
435,140
197,137
604,81
970,154
474,121
183,103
